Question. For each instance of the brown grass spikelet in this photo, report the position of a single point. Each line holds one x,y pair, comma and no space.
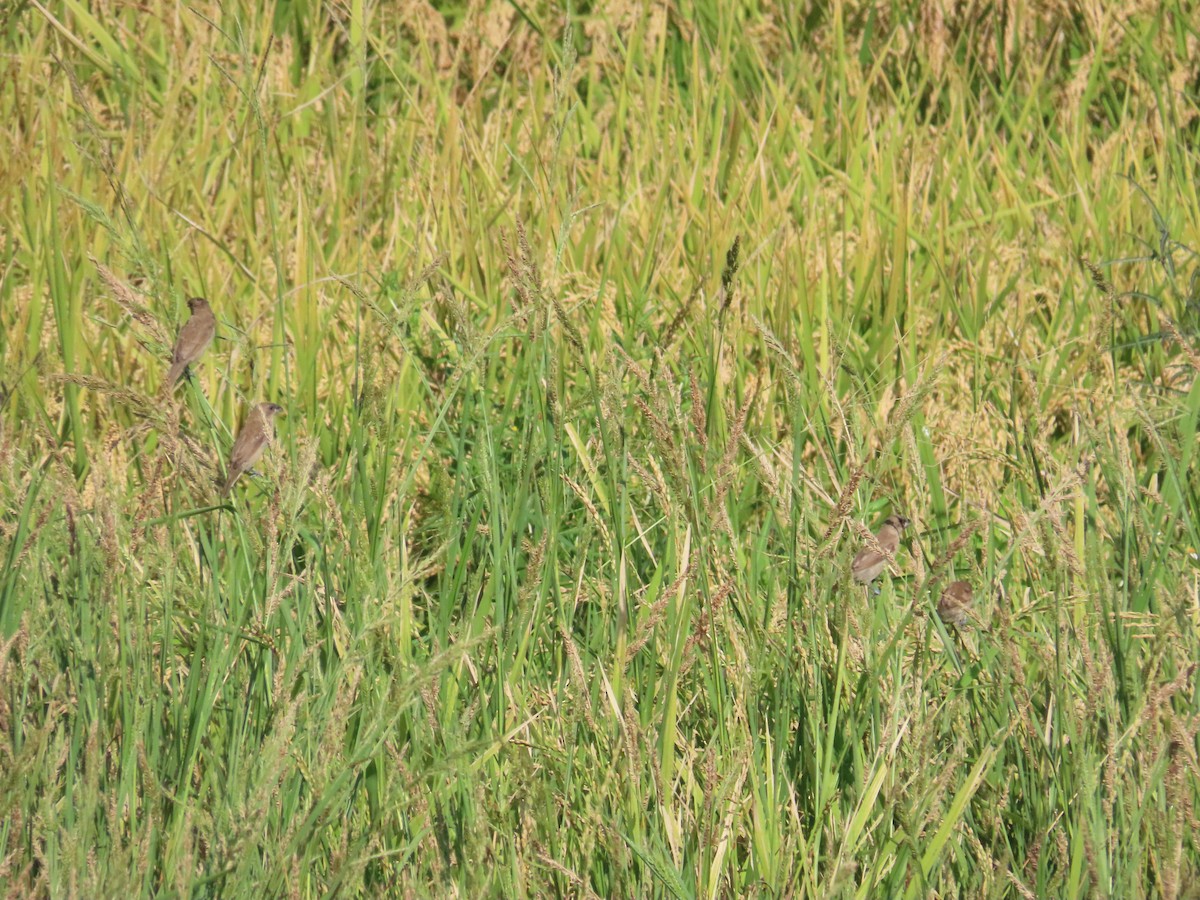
631,733
1183,739
699,416
897,418
1193,357
903,410
1031,864
769,478
550,388
775,345
660,432
531,272
593,513
668,336
574,336
580,692
725,469
950,552
527,279
934,36
516,271
844,502
1104,323
1099,280
704,624
139,403
67,485
627,363
533,566
733,262
651,476
570,875
13,649
657,611
612,398
125,297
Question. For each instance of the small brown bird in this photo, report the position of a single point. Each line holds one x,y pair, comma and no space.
194,337
251,441
954,607
870,563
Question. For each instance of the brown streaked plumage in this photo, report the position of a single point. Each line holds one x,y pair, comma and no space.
251,441
194,337
870,563
954,607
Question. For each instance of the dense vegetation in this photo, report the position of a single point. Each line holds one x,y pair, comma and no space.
606,335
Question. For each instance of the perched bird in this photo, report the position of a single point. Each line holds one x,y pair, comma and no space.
954,607
251,441
870,563
194,337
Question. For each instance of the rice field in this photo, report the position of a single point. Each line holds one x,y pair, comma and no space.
607,337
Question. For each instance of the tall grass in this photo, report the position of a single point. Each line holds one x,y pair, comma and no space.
606,335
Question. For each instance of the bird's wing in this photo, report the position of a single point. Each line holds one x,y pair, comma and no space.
194,336
866,558
248,447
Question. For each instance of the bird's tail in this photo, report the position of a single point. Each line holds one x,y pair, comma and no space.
228,485
173,376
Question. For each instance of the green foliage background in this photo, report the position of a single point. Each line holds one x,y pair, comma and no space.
605,333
